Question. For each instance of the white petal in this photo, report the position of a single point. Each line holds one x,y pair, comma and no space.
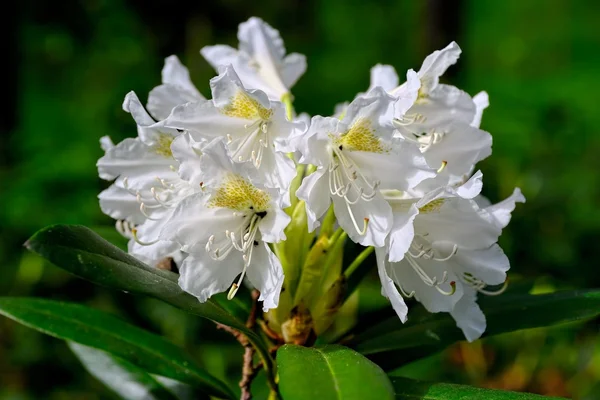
204,121
106,143
388,287
119,203
461,148
164,98
384,76
314,144
468,316
481,101
175,73
443,106
429,296
138,162
177,89
188,152
314,190
489,265
226,86
266,274
193,223
406,94
377,107
294,66
501,211
403,167
276,170
155,253
457,221
402,232
148,129
263,43
436,64
219,55
471,188
202,276
273,224
378,213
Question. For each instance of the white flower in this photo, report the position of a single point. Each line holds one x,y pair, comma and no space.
441,119
225,230
177,88
146,186
255,128
443,250
356,157
260,61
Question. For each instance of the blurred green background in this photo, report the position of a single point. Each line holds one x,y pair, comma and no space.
70,64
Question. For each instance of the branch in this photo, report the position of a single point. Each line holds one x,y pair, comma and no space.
249,370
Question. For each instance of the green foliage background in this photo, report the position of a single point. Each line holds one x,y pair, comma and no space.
74,61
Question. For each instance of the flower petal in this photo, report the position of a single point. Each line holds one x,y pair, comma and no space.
501,212
481,101
468,316
119,203
377,212
314,190
402,232
436,64
271,227
202,276
384,76
388,287
266,274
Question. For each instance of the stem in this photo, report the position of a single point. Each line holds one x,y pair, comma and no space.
357,261
249,370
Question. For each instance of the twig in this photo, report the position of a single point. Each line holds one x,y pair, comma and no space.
249,370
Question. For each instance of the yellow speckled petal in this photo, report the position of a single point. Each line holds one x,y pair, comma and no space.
432,206
244,106
238,194
360,137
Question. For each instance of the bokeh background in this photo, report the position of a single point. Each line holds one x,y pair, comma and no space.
70,64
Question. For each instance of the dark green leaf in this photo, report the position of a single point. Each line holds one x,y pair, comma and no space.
125,379
329,372
409,389
82,252
391,343
103,331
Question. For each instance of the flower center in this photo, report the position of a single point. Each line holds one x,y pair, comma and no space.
243,106
236,193
162,147
250,146
360,137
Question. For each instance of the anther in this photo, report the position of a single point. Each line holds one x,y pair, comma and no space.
441,168
232,291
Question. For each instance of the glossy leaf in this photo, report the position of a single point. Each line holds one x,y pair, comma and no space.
329,372
409,389
106,332
85,254
391,343
122,377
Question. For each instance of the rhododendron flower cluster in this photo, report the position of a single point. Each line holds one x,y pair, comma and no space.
239,189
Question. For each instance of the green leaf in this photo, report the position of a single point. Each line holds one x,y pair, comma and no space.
103,331
409,389
390,343
329,372
85,254
503,314
125,379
